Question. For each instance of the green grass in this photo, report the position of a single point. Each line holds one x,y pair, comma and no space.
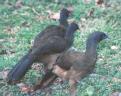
16,37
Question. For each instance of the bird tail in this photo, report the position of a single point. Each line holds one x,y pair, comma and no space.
46,81
16,74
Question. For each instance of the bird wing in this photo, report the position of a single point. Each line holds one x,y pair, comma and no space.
52,45
66,59
48,32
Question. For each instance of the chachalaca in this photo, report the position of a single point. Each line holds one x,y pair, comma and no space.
47,44
51,45
73,65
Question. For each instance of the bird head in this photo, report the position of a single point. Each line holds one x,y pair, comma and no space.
64,14
98,36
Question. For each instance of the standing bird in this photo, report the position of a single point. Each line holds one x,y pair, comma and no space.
46,45
73,65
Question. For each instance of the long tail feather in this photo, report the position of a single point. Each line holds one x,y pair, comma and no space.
20,69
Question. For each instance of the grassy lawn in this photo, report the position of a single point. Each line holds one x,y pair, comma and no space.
19,26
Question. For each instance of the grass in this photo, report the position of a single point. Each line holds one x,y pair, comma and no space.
18,27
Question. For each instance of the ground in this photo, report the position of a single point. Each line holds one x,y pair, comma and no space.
21,22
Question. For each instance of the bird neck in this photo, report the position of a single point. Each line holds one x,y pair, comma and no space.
91,47
69,36
63,22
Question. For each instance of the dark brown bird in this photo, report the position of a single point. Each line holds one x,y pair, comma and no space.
73,65
54,39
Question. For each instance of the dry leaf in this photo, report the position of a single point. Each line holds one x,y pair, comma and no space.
54,16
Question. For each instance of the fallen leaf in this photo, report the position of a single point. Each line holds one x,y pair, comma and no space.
54,16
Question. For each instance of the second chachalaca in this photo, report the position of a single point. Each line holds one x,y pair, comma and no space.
54,39
73,65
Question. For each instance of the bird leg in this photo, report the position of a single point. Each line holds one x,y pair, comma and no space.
72,89
72,75
59,71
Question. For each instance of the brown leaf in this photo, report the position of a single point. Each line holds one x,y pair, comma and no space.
54,16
